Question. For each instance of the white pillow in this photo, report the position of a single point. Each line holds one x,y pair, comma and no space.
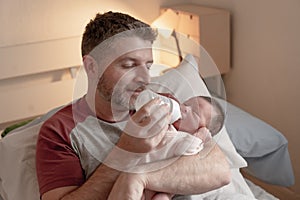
17,169
185,82
261,145
18,178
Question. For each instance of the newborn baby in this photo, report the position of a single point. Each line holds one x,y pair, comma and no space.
193,121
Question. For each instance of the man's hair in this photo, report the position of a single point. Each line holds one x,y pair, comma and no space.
106,25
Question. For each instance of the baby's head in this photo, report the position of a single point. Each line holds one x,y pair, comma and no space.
195,114
198,112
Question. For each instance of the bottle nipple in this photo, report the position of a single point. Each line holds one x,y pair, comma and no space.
147,95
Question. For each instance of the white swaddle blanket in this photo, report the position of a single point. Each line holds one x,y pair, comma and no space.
175,144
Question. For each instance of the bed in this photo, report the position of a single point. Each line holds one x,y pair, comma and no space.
249,144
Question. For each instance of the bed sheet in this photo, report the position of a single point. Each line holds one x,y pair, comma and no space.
259,192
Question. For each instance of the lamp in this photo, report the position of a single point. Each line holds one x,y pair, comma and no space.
166,23
170,23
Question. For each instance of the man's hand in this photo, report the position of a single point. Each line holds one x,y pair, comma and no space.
131,187
128,186
146,128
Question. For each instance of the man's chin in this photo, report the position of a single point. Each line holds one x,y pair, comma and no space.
125,101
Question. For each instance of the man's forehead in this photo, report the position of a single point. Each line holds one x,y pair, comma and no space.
138,54
124,45
113,49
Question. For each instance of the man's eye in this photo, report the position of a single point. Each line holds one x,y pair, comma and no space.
128,65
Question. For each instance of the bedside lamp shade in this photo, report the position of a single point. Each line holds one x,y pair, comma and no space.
177,24
196,30
166,23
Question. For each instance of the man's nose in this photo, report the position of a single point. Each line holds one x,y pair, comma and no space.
143,74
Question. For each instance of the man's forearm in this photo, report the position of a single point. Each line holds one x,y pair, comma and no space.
188,175
192,174
98,186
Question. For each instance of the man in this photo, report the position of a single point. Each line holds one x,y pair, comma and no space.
80,148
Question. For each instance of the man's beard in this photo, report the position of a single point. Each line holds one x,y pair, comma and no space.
116,95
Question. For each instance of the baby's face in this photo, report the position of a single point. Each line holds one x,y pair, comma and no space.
196,113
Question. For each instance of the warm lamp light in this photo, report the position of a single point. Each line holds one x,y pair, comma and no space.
166,23
170,22
201,31
189,25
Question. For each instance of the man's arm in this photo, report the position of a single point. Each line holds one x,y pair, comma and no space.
99,185
197,174
188,175
192,174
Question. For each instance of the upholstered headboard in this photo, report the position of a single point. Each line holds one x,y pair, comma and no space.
36,77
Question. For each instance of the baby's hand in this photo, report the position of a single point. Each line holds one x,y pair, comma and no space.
204,134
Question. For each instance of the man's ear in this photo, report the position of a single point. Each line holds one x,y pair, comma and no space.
90,65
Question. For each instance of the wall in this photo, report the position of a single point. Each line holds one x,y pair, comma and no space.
32,20
39,41
264,79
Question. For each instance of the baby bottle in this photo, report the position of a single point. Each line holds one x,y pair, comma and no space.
147,95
